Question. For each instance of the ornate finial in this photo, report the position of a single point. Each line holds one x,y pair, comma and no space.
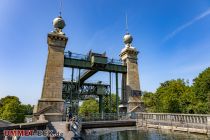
61,6
126,22
58,24
127,37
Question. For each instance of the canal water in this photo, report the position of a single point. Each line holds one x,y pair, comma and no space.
132,133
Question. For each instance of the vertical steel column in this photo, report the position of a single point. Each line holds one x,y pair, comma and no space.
117,109
78,87
100,104
72,80
110,93
79,79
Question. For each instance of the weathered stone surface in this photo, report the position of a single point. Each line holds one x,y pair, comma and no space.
51,103
130,80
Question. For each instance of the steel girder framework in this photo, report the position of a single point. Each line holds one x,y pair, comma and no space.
92,63
71,90
73,93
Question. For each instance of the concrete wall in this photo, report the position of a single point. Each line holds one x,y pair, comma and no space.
194,123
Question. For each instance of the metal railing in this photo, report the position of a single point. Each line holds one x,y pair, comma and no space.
185,121
105,117
115,61
76,56
182,118
69,54
76,127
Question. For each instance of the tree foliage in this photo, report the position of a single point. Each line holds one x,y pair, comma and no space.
8,99
12,110
201,85
176,96
149,99
27,109
89,106
168,96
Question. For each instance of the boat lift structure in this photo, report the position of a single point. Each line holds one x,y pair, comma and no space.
77,90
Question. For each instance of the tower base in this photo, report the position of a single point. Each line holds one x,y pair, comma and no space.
135,105
52,109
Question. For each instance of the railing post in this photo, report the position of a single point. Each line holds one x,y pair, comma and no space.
72,79
110,93
207,125
168,117
117,109
101,106
171,119
154,116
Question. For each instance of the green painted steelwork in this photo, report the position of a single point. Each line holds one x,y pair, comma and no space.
74,91
101,110
85,75
84,64
117,106
93,62
110,93
101,60
77,92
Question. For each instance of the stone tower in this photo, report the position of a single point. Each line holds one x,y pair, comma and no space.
51,104
130,81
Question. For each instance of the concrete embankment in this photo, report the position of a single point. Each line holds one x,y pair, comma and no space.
191,123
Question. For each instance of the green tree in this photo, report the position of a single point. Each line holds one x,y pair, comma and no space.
8,99
4,101
27,109
12,112
89,106
208,102
188,101
176,96
168,96
201,85
149,100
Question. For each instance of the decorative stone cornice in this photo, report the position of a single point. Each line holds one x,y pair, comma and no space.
130,51
57,40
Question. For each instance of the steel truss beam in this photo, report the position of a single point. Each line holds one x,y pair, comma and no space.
85,91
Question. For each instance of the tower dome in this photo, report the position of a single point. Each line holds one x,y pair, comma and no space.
127,39
59,23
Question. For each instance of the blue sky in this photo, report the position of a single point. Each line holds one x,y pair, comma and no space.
173,38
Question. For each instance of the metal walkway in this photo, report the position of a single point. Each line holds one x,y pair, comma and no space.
85,75
93,62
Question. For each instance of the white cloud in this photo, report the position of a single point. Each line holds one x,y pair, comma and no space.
182,27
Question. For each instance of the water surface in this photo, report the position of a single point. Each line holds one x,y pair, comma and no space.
132,133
